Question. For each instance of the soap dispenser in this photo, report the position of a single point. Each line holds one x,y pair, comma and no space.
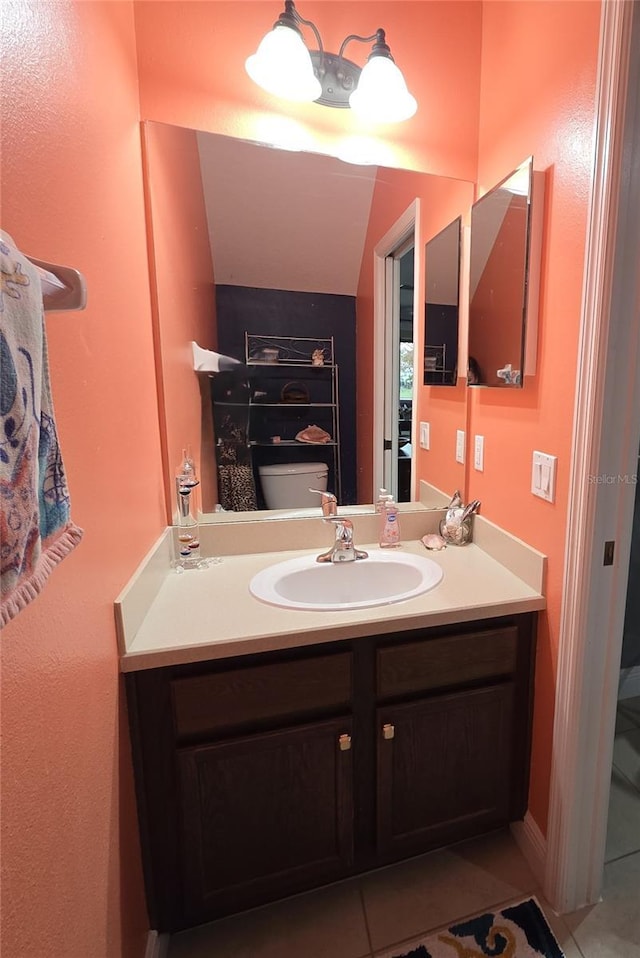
389,525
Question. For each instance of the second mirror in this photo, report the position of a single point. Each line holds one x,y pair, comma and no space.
501,281
442,286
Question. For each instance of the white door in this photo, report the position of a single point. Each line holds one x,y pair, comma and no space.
395,331
386,307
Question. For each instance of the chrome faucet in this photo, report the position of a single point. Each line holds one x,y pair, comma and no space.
328,503
343,549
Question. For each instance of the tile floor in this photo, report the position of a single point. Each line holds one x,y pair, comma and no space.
383,913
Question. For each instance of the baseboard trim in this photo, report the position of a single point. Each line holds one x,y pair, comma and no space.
629,685
157,945
532,844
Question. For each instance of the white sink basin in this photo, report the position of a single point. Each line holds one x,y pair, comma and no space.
381,579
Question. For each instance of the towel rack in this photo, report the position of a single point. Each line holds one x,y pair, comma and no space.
63,288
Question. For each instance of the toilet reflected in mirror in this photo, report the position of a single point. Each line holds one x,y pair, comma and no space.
289,485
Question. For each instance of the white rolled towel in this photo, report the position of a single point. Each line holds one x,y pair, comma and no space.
207,361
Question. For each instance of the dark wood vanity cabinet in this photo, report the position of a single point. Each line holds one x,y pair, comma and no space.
265,812
443,764
264,775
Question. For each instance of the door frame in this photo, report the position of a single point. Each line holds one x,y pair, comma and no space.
396,235
605,443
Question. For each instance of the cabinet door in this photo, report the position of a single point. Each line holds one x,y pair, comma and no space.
264,816
444,769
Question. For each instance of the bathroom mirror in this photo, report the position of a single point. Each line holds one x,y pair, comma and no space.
499,281
277,245
442,306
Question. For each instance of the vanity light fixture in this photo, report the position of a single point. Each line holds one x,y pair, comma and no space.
284,66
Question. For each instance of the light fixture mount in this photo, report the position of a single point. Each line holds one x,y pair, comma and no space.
338,76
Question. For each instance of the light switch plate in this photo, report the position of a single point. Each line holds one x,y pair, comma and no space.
460,445
424,435
543,476
478,453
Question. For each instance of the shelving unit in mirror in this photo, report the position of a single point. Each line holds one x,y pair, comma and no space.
436,372
288,413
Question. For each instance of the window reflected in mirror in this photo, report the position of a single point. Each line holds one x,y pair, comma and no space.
442,285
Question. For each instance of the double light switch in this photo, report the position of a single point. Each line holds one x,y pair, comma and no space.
543,476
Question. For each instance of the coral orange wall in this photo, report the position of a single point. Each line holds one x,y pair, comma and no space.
191,58
72,193
441,200
182,289
548,52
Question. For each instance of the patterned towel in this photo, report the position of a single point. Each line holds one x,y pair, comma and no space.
35,528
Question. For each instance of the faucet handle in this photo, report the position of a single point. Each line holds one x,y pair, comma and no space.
344,527
344,539
328,503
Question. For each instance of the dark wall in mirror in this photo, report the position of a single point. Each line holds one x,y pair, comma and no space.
442,306
284,313
500,232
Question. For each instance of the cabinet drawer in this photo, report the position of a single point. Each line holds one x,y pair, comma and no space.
222,700
448,661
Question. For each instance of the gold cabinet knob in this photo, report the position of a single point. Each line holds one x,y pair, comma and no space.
388,730
344,741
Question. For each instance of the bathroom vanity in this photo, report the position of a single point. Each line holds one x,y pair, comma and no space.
264,775
276,750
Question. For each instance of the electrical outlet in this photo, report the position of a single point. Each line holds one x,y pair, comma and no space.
424,435
460,445
478,453
543,476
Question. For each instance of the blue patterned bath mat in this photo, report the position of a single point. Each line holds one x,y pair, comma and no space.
518,931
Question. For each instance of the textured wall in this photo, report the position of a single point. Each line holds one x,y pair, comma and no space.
72,193
548,52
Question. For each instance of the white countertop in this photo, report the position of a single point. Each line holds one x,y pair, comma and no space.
210,613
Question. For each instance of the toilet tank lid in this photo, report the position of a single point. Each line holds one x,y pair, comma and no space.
293,469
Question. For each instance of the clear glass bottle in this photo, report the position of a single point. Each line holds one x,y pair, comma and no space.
188,528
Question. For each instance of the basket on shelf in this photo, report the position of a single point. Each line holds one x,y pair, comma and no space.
294,392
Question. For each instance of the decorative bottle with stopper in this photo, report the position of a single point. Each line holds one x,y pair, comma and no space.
188,528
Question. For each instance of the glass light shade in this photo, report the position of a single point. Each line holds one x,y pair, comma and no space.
282,66
381,95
